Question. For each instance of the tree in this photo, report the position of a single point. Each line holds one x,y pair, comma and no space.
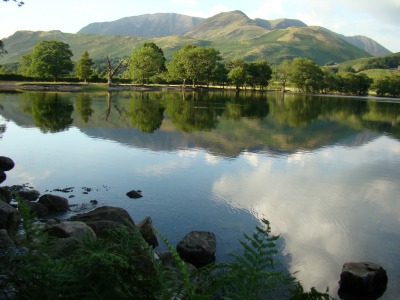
194,63
238,76
84,67
306,75
20,3
258,73
112,71
50,59
145,62
388,86
354,84
2,50
282,73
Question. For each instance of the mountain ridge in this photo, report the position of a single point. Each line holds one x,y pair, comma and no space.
234,34
146,23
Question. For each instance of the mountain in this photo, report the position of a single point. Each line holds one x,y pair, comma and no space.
147,25
168,24
363,42
233,33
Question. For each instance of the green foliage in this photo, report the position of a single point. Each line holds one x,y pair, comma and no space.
306,75
83,67
194,63
237,76
146,62
252,274
51,59
388,86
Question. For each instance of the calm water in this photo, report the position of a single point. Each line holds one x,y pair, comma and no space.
325,171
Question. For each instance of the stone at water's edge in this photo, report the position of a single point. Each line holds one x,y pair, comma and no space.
364,279
147,231
54,203
36,208
75,229
30,195
198,248
6,163
9,218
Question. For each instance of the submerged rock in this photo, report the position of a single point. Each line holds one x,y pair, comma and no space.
198,248
134,194
362,280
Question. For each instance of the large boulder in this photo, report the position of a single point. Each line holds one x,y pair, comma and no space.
104,218
198,248
9,218
362,280
54,202
148,233
30,195
6,163
75,229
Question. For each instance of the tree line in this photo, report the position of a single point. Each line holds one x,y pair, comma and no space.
199,65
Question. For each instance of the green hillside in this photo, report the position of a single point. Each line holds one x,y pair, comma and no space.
390,61
232,33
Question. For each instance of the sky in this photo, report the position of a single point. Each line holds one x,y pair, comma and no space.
376,19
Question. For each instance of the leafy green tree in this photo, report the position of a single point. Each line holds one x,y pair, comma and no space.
258,74
354,84
220,74
238,76
25,65
306,75
388,86
83,67
145,62
51,59
282,74
194,63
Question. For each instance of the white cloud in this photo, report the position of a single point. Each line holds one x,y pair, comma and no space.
324,220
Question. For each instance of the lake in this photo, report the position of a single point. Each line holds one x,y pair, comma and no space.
324,170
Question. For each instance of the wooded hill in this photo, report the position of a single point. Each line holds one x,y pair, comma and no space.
232,33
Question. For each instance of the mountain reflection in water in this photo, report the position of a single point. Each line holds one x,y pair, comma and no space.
325,171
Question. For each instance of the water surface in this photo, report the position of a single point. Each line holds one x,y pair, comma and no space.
325,171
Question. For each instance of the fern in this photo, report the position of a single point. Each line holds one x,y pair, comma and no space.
252,274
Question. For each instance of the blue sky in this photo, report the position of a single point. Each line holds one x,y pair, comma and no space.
379,20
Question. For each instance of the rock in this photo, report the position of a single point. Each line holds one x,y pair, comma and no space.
9,218
107,213
169,261
134,194
3,176
75,229
104,218
30,195
198,248
6,163
363,280
5,194
54,203
148,233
